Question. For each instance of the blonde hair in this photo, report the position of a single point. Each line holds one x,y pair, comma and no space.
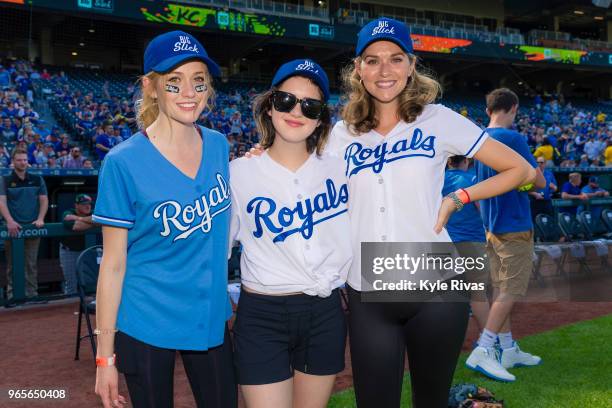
147,109
262,104
360,112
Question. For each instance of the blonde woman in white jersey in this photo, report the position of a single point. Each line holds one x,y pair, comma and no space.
289,212
395,143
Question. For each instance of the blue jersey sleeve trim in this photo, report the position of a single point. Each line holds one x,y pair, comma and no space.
475,143
115,222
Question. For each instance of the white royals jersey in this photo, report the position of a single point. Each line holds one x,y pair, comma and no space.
395,181
293,226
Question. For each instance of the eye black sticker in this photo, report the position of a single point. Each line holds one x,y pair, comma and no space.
172,88
201,88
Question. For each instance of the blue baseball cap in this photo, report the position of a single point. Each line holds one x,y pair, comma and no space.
168,50
306,68
384,29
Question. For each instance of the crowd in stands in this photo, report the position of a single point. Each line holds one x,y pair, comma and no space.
100,117
566,136
22,127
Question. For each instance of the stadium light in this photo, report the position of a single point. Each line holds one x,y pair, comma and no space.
579,12
74,53
82,44
600,18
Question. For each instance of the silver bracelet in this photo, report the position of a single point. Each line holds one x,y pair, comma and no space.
458,203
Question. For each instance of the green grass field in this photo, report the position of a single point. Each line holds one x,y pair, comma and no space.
576,371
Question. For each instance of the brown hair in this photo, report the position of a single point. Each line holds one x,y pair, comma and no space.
455,161
573,176
501,99
17,151
262,104
360,113
147,108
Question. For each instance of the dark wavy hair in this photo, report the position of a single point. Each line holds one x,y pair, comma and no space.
262,104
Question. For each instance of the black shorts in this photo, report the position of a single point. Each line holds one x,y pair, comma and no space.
274,335
149,373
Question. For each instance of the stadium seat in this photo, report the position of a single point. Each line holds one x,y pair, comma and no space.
547,236
594,227
606,218
88,268
574,231
597,233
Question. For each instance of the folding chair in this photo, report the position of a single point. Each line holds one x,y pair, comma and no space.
547,234
606,218
595,228
598,234
574,232
88,268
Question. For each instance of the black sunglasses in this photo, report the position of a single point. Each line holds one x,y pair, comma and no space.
285,101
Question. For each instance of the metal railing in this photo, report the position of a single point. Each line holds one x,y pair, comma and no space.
267,7
52,230
534,35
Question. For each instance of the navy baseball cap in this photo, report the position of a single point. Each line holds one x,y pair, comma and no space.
593,179
303,67
384,29
168,50
83,198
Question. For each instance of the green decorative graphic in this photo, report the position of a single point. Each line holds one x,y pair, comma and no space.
207,17
554,54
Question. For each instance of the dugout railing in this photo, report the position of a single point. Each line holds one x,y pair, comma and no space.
51,230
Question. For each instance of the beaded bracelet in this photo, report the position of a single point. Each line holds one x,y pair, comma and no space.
458,203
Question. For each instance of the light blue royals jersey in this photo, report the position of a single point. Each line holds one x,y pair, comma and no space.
175,286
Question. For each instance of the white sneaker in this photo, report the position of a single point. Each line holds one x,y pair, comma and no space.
485,360
514,357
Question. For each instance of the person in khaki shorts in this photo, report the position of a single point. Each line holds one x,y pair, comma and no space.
509,229
510,261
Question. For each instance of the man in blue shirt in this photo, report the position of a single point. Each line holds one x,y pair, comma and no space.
592,190
23,200
571,191
541,199
104,143
509,229
8,131
467,232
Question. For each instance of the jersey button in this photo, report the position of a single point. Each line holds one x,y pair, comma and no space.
382,209
299,196
380,181
296,181
307,247
383,238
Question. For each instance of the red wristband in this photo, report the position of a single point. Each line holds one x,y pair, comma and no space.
105,361
463,195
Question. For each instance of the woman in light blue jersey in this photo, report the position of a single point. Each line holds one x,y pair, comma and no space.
164,204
